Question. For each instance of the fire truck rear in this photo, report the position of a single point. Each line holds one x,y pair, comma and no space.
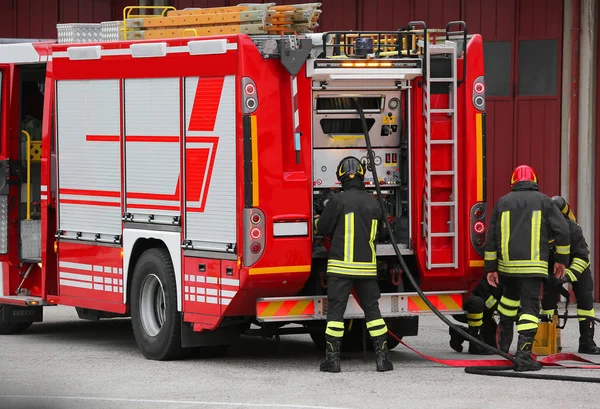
175,180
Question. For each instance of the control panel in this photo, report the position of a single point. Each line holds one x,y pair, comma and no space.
337,124
387,164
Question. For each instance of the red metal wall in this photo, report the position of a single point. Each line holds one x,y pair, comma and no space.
38,18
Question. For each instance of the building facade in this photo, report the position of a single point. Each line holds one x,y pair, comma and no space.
541,77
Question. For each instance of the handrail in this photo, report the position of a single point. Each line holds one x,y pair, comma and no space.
127,14
28,215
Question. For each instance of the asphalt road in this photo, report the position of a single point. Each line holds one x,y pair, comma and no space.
66,363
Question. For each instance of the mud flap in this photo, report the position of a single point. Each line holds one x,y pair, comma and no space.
13,314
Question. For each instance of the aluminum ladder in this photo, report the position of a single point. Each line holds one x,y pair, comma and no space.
448,47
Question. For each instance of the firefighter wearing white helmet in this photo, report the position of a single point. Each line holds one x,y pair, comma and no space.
579,275
351,219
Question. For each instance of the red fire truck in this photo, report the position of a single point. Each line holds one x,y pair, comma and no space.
175,180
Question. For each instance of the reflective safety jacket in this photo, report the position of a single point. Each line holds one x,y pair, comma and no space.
351,219
520,226
579,258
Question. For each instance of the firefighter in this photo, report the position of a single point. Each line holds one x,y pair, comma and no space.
578,274
351,220
480,308
517,253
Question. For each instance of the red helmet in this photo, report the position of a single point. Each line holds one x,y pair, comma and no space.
523,173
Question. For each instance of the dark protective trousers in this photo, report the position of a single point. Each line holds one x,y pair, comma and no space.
584,292
338,291
523,294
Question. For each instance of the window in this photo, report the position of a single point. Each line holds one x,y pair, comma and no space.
538,67
496,57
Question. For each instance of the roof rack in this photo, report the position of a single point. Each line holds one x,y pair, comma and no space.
168,22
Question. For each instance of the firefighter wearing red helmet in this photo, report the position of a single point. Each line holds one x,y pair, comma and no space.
517,254
579,275
351,219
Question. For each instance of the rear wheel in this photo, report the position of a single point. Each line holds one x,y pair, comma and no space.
155,320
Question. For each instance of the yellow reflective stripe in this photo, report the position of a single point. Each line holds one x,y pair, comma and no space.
474,316
349,237
372,240
491,255
528,317
523,263
521,270
579,265
572,276
351,272
375,323
378,332
509,302
354,264
565,250
526,326
475,323
586,313
536,227
335,329
506,312
546,312
489,303
505,234
338,333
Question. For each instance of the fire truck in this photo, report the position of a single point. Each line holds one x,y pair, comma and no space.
173,176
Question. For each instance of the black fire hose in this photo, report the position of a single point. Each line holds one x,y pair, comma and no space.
481,370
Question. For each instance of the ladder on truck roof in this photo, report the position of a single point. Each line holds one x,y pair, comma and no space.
432,155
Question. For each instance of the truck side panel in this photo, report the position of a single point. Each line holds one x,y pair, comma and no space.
210,162
152,155
89,171
91,276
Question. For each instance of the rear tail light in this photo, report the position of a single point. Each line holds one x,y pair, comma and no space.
254,237
477,219
249,96
479,93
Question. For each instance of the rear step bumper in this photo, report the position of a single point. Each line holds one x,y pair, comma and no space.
391,305
23,300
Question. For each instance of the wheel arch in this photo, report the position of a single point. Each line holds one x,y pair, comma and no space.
136,242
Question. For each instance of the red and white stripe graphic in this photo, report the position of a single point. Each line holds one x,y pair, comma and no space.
205,289
91,277
295,107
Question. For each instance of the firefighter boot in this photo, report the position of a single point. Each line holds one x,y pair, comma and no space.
332,354
505,334
474,348
586,338
523,360
381,354
456,340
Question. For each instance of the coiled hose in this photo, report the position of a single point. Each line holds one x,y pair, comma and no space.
479,370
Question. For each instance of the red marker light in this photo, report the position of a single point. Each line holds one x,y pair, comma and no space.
479,227
255,248
255,233
250,89
479,88
478,213
255,218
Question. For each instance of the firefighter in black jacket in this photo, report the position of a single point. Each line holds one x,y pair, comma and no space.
579,275
351,220
517,252
480,307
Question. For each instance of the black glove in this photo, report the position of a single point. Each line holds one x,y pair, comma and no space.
555,282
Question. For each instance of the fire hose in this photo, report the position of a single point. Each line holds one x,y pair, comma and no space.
481,367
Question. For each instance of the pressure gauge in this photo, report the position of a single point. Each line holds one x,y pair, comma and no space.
394,102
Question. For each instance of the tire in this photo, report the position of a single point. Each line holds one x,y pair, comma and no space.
155,320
